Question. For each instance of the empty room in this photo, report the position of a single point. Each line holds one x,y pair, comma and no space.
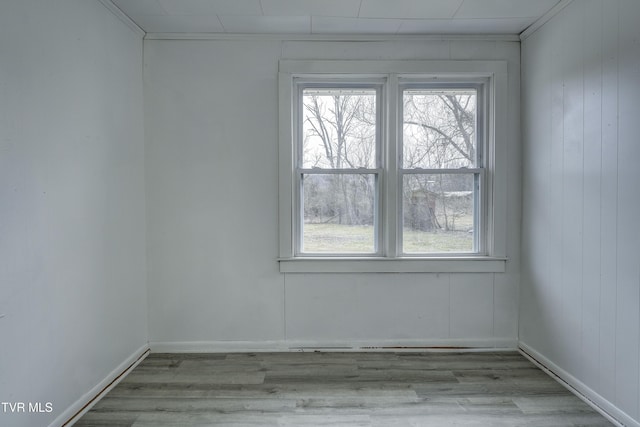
319,212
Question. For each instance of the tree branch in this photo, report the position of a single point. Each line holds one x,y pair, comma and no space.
444,135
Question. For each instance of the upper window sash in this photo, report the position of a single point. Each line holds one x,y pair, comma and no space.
329,86
477,86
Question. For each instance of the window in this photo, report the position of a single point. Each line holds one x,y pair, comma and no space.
391,166
338,168
442,167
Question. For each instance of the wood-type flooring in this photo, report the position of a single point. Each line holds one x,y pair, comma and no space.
339,389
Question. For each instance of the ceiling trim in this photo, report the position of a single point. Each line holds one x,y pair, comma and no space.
331,37
123,17
544,19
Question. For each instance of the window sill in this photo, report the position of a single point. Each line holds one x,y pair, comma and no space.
478,264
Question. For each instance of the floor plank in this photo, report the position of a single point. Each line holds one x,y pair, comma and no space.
339,389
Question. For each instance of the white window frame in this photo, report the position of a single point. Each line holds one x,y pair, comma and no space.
300,84
481,85
492,254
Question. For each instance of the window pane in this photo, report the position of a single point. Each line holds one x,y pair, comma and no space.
439,128
338,213
438,213
339,128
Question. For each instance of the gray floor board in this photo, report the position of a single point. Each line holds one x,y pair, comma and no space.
339,389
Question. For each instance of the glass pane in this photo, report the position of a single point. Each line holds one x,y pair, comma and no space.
438,213
439,128
338,213
339,128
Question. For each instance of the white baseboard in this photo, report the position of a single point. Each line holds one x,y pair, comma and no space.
577,387
86,402
501,344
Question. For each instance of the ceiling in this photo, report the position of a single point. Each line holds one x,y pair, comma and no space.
335,16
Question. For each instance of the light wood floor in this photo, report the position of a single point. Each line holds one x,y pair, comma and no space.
339,389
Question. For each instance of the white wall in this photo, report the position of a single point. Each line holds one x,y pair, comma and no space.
212,189
580,304
72,218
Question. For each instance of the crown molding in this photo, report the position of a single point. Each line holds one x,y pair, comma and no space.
332,37
544,19
123,17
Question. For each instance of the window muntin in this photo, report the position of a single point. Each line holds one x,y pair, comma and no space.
338,168
441,168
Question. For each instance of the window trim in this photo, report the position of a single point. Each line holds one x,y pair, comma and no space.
493,258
